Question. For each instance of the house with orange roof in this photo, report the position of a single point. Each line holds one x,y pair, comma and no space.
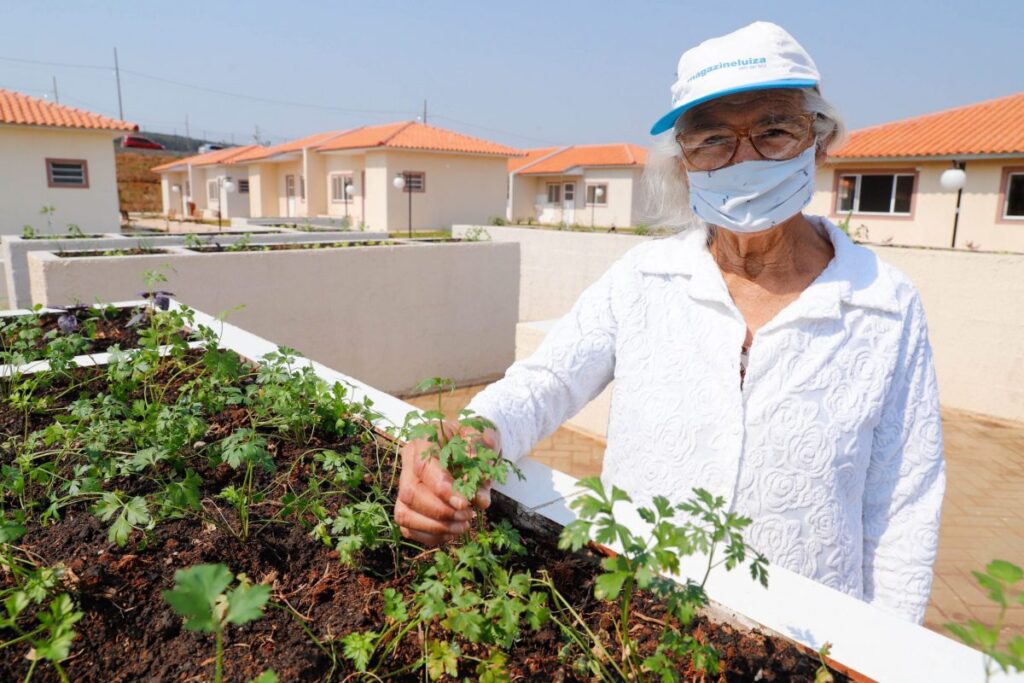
953,179
595,185
210,185
447,177
59,156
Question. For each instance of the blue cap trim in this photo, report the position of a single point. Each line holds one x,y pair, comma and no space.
668,120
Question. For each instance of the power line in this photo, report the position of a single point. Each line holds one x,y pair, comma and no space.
496,130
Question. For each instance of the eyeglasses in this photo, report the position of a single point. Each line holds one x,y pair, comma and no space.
713,147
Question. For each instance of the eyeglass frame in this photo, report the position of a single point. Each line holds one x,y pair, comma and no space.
744,134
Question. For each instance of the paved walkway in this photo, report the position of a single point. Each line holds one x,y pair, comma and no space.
982,514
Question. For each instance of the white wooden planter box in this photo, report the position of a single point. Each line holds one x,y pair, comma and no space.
870,644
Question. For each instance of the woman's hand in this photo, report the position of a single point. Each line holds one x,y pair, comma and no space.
428,509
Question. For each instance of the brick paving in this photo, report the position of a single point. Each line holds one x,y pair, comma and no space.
982,514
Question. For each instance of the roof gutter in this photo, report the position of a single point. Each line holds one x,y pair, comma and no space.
930,157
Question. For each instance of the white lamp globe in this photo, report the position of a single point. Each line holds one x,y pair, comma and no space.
953,179
175,188
598,192
229,185
399,182
349,189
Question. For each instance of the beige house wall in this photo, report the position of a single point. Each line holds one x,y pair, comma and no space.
24,184
933,208
263,185
619,210
352,165
460,188
316,191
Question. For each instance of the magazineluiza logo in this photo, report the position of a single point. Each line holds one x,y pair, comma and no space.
750,61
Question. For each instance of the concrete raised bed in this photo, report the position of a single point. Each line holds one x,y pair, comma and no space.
867,643
14,250
390,314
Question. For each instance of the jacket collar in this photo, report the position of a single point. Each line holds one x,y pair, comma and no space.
855,275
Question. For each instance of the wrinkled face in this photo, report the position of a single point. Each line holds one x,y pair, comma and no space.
776,124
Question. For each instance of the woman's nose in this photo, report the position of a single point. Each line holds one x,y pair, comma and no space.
745,151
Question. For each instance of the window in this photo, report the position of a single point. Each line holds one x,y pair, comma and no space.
243,187
597,195
882,193
1013,207
212,191
67,173
415,181
570,192
302,187
338,183
554,193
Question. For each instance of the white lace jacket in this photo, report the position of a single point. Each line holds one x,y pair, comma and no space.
832,444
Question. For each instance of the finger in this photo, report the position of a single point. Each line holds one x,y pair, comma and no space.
425,539
418,496
482,499
411,519
440,483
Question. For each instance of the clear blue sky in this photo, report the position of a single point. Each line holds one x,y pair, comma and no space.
524,73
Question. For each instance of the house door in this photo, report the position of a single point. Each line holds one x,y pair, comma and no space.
569,203
289,194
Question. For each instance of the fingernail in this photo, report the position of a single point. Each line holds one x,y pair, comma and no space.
457,502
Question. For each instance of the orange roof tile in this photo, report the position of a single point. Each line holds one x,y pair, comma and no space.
586,155
990,127
17,108
228,155
290,146
530,156
418,136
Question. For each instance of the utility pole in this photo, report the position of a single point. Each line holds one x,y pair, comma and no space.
187,134
117,73
424,111
56,95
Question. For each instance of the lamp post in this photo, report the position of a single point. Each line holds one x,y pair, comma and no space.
401,183
598,193
954,179
347,188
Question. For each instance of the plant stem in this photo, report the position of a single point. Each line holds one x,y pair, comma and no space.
218,671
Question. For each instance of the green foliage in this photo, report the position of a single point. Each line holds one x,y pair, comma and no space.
1004,583
201,596
478,233
643,561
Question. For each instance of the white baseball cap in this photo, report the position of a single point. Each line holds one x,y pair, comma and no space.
755,57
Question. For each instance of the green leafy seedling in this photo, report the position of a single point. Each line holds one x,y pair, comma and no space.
200,595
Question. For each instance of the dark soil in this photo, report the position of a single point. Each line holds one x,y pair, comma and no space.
65,237
129,633
134,251
288,246
100,328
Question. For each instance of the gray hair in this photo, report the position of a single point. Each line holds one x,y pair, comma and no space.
666,196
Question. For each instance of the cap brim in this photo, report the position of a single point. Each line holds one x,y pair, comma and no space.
668,120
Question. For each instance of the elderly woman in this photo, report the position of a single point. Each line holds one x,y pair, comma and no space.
759,353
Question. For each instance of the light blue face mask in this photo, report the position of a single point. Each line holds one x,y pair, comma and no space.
752,196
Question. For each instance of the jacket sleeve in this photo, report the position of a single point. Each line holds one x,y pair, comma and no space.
906,479
572,365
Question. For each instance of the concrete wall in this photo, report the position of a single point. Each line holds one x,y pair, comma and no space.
558,265
621,201
974,303
453,315
24,183
934,209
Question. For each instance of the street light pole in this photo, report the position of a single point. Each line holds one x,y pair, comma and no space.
408,190
347,187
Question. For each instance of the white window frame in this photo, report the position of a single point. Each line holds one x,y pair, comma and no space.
855,208
557,191
338,182
1006,199
569,192
213,191
592,189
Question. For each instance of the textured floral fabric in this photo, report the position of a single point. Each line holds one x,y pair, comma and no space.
832,443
